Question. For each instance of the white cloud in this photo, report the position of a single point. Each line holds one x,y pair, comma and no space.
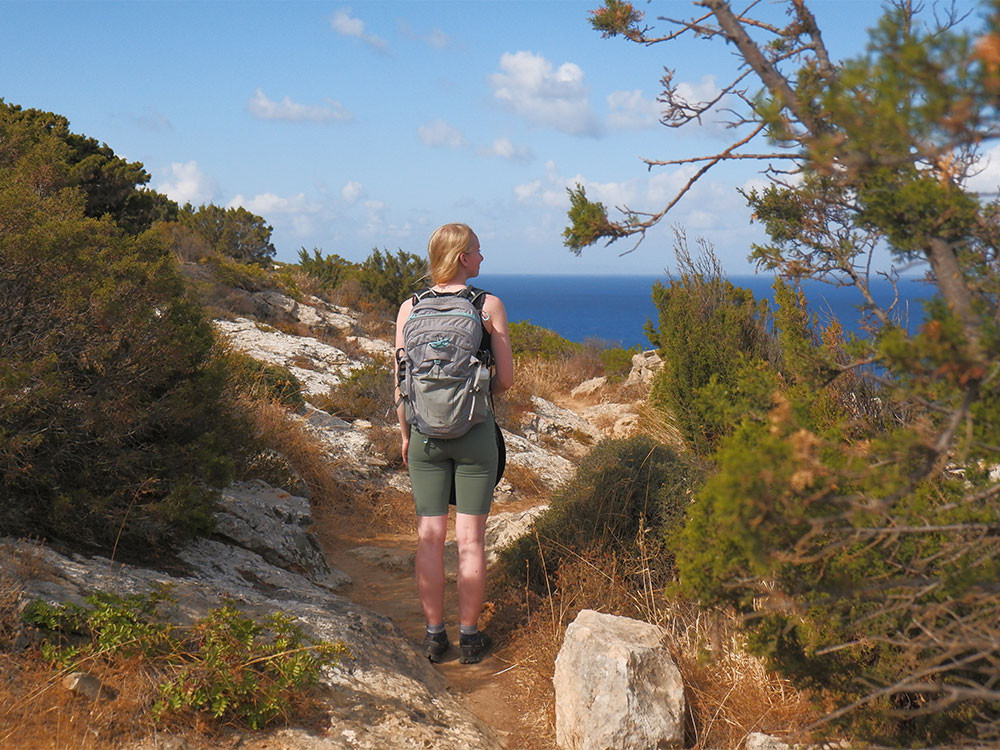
296,211
987,181
436,38
630,111
263,108
504,148
524,193
440,134
269,203
703,91
187,184
529,85
347,25
352,192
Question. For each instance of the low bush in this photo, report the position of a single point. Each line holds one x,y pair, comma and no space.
617,362
365,393
385,279
257,379
226,665
528,339
621,489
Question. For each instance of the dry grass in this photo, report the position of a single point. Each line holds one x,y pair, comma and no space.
729,693
276,430
525,480
550,378
380,510
657,425
386,444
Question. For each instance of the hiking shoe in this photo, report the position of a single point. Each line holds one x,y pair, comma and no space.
436,645
474,647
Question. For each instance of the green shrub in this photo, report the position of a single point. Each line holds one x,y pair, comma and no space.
392,278
365,393
385,279
620,487
113,424
233,232
226,665
331,271
528,339
710,334
617,362
258,379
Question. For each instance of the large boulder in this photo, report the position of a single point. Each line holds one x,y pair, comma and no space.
616,686
275,525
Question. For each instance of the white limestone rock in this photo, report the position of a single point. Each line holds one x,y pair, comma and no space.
551,469
274,524
588,388
554,422
761,741
319,366
644,367
616,686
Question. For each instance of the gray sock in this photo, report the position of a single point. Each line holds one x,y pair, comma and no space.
435,629
468,629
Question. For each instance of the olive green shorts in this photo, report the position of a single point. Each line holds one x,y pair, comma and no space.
470,461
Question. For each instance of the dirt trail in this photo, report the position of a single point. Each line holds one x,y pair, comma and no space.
489,689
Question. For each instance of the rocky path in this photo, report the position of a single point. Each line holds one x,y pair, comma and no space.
490,689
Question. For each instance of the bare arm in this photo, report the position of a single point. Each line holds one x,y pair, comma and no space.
496,324
404,427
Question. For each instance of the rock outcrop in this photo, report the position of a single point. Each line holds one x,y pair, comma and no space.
616,686
385,694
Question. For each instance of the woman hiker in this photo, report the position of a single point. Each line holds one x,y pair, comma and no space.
465,465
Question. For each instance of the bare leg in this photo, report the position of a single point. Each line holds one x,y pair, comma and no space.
469,533
429,565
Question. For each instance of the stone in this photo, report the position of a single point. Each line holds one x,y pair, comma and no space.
551,469
317,365
616,686
548,421
761,741
273,523
589,387
644,367
83,684
625,426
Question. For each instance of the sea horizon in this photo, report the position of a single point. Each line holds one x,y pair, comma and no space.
613,309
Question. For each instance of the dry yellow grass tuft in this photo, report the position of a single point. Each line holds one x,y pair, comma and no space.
729,692
278,431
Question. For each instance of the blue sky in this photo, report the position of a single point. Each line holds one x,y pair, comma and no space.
350,126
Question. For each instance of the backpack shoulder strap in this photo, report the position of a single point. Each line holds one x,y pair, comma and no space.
476,296
423,294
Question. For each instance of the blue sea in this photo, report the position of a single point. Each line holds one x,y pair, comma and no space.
614,309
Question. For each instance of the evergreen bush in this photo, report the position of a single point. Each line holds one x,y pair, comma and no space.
113,424
620,487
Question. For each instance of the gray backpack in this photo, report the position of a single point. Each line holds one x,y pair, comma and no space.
444,369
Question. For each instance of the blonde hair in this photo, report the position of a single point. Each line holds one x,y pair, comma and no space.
444,248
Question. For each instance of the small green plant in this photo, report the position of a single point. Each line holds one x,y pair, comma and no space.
258,379
366,393
528,339
617,362
227,665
